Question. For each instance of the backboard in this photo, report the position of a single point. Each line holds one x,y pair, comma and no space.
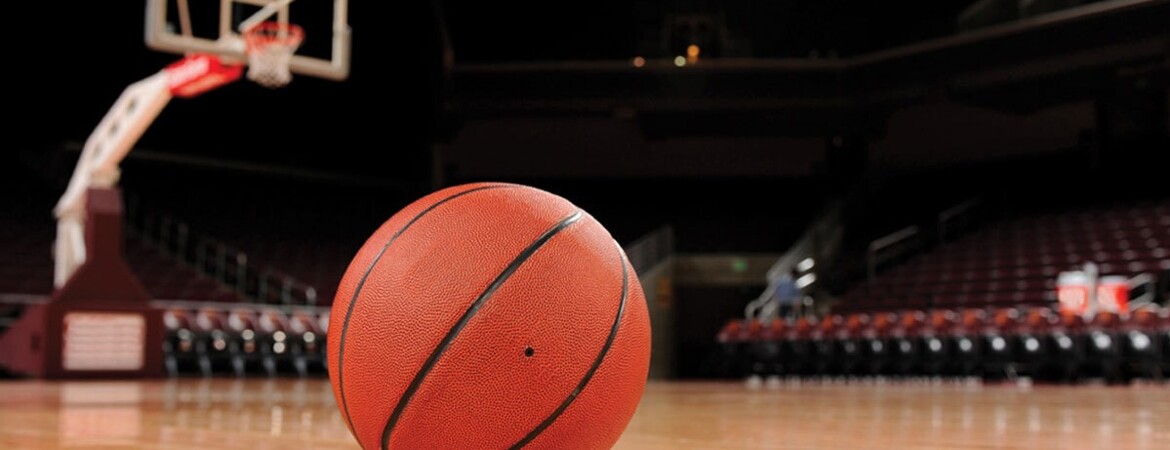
215,26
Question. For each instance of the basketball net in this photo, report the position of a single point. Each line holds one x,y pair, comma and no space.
270,47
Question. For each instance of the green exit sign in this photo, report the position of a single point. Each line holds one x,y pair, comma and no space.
739,265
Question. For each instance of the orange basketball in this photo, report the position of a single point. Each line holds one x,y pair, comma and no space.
489,315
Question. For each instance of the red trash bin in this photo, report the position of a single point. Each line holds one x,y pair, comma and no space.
1113,294
1072,290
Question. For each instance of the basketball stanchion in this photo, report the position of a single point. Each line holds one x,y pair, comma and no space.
198,73
94,290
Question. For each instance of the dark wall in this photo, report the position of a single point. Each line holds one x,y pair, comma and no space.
763,28
576,147
724,214
700,311
941,134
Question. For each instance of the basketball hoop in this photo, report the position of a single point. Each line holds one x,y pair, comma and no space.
270,47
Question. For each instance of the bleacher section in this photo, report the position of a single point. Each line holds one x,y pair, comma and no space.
27,264
186,242
168,279
1016,261
984,305
26,270
285,226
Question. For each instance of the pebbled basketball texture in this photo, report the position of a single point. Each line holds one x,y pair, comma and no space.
492,316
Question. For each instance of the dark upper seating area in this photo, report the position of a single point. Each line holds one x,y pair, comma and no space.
25,241
168,279
27,267
26,232
307,230
1015,261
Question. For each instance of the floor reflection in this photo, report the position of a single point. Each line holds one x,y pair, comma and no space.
290,413
901,416
100,414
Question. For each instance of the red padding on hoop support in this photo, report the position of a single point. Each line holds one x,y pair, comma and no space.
196,74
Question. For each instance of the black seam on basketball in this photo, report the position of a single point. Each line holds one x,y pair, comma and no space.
617,321
362,282
467,315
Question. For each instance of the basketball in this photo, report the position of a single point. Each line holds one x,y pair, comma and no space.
489,315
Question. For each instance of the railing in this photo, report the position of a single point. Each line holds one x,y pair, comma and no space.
22,299
193,305
1145,286
950,223
820,242
232,268
958,219
226,264
892,247
276,287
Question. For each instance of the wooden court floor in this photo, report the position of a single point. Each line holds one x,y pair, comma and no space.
300,414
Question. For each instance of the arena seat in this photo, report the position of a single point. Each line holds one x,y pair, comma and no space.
214,341
1067,340
937,358
1164,333
247,349
1032,349
180,354
752,335
734,354
322,320
768,353
798,349
275,339
906,336
998,357
1102,346
851,344
306,343
877,349
825,342
966,342
1140,346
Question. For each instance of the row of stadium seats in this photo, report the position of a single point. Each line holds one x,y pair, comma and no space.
210,341
1036,342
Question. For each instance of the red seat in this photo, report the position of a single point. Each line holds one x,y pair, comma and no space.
210,319
731,331
774,331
